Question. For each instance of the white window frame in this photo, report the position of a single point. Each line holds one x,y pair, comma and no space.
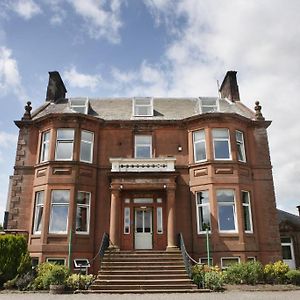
148,145
215,108
45,144
197,212
159,219
37,207
74,105
240,143
250,258
64,141
91,143
201,259
88,206
56,258
238,260
222,139
247,205
51,213
234,211
289,244
135,106
199,142
127,219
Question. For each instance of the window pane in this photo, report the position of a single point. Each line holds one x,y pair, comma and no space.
59,218
211,102
82,219
143,111
143,140
145,101
199,135
204,217
247,223
143,152
226,262
147,221
221,149
159,220
85,151
126,220
83,198
225,196
64,150
45,146
65,134
220,133
286,252
239,136
39,209
60,196
200,151
139,221
286,240
202,197
87,136
240,146
226,217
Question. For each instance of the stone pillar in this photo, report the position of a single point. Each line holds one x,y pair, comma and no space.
114,229
171,220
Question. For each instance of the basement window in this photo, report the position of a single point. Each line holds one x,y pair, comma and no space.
79,105
228,261
143,107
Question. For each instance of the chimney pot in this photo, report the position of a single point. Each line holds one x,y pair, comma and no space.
229,87
298,210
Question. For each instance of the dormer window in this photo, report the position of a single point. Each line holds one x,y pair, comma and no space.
79,105
143,107
209,105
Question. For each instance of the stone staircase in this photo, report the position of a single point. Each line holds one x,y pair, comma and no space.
142,272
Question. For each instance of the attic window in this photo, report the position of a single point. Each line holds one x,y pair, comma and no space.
209,105
79,105
143,107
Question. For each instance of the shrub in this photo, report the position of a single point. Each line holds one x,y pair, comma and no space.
198,272
213,280
244,273
293,277
13,249
76,281
23,282
276,273
56,276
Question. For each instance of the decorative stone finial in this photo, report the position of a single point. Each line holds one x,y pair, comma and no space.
258,114
27,114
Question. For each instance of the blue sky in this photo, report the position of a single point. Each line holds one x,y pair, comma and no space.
156,48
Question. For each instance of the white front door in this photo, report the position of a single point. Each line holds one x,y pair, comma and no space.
288,252
143,228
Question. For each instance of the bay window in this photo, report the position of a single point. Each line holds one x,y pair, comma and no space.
83,212
241,154
44,154
247,212
199,145
226,210
86,146
59,211
38,212
221,144
64,144
203,211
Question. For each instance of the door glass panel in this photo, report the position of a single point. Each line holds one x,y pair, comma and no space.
147,221
139,221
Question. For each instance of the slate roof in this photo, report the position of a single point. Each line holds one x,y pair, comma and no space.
287,217
164,108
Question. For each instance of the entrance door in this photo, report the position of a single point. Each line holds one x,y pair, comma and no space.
143,228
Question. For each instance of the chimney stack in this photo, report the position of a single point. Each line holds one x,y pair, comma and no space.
298,210
56,88
229,87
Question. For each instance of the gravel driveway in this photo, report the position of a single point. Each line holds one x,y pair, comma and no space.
286,295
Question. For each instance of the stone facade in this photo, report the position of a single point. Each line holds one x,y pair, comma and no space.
122,189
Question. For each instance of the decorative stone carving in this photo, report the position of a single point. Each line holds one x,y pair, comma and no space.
27,114
258,114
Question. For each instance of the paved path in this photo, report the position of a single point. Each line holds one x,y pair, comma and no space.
287,295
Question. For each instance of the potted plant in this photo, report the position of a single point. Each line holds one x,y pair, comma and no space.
56,279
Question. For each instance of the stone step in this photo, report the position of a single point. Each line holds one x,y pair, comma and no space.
153,291
142,276
141,263
144,287
154,267
143,272
141,259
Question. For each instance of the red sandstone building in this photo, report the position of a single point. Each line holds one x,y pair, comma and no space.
145,170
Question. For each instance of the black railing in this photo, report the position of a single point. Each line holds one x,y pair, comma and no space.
187,259
103,247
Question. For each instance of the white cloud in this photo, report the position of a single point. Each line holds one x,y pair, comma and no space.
260,39
59,13
25,8
102,18
10,78
81,80
7,142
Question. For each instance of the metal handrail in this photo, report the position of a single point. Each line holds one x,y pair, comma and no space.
103,247
187,259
